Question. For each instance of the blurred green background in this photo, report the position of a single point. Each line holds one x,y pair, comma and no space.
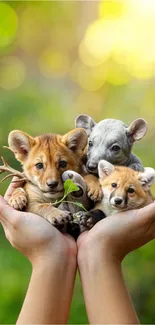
59,59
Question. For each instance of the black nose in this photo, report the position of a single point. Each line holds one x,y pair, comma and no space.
118,201
91,167
52,184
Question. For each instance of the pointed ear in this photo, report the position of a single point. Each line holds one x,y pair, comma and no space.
137,129
20,143
105,169
147,178
85,122
76,140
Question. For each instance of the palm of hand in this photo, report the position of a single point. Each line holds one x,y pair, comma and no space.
120,233
34,236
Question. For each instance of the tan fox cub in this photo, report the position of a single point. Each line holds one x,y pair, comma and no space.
123,189
44,159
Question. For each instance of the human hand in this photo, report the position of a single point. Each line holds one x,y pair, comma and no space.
53,258
119,234
32,235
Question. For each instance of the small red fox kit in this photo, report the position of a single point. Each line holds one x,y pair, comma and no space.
44,159
123,189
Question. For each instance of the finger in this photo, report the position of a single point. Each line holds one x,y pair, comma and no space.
8,215
13,185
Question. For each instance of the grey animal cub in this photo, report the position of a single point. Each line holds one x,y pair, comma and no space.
112,140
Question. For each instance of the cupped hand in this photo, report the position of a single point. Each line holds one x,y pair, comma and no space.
119,234
32,235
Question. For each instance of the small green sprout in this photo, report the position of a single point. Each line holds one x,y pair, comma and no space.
69,187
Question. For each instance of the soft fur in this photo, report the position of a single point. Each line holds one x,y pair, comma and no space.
46,184
123,189
111,140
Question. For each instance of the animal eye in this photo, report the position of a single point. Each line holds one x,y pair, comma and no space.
115,148
39,165
131,190
62,164
114,185
90,143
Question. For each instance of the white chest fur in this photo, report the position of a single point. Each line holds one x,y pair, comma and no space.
105,205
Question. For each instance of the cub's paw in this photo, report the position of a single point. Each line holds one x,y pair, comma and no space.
78,180
61,220
73,229
18,199
88,219
79,217
95,193
137,167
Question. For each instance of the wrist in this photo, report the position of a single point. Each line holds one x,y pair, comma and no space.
54,261
58,249
94,252
54,255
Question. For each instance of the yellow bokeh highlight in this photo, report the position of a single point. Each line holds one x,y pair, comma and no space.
141,8
86,102
86,56
124,35
141,70
100,39
89,78
8,24
34,28
13,72
111,9
53,63
116,75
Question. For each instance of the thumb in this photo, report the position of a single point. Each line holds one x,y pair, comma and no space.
13,185
7,213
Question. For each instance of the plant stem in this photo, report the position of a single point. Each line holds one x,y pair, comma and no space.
75,203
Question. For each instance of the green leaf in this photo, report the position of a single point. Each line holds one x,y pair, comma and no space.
80,205
70,187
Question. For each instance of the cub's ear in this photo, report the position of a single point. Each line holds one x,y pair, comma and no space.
147,178
76,140
105,169
85,122
20,143
137,129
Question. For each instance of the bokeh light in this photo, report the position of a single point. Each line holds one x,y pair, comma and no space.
8,24
33,28
53,63
12,72
100,38
88,101
119,35
111,9
89,78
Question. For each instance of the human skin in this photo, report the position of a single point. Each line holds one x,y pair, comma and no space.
100,253
53,258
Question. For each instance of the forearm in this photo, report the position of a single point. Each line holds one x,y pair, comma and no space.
49,294
105,294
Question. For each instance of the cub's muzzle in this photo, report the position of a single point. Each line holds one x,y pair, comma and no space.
117,202
91,167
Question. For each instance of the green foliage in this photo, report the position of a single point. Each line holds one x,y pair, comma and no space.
70,187
8,24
